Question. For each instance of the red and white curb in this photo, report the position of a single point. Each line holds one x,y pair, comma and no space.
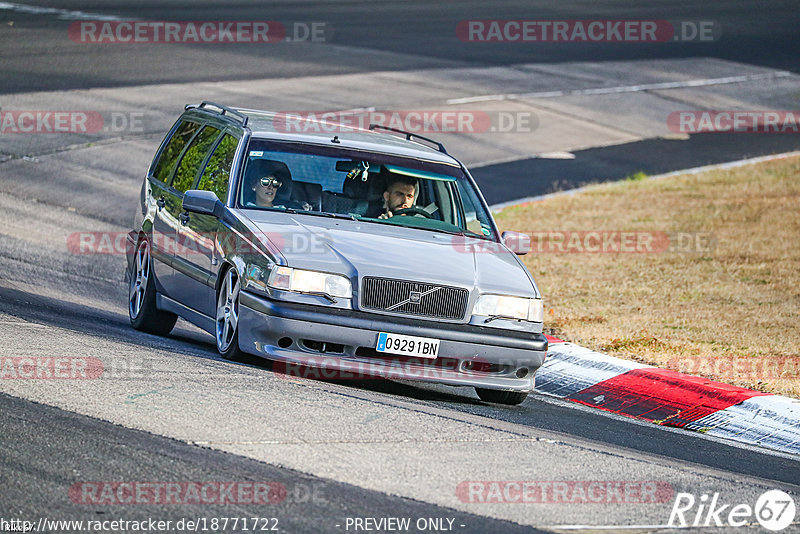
669,398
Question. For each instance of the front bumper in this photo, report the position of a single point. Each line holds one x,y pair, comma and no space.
343,342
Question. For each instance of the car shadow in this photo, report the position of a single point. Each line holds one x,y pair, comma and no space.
94,321
403,388
108,325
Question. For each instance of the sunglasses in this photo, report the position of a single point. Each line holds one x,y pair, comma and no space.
271,181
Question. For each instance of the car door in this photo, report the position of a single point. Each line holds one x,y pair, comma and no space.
184,178
195,259
157,196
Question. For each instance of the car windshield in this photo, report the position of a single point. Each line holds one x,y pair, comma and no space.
367,186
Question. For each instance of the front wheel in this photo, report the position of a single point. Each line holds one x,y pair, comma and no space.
142,309
228,317
512,398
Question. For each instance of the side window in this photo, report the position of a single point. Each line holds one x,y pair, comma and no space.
218,170
166,161
193,158
474,216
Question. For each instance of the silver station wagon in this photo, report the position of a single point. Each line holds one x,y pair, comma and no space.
351,252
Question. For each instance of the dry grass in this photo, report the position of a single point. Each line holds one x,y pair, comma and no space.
727,309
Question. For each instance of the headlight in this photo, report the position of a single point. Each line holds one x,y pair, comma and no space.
302,281
520,308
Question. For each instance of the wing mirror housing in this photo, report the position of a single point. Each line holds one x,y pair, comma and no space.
517,242
203,202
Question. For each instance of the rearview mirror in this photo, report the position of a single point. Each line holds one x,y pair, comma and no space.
346,166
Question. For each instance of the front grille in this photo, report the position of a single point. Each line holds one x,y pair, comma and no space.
413,298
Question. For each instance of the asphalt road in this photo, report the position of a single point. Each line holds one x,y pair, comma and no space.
101,452
178,387
502,182
169,409
363,37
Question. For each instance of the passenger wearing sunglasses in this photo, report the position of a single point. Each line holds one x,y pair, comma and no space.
265,189
267,179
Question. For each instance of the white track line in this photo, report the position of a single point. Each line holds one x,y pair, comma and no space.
63,14
626,88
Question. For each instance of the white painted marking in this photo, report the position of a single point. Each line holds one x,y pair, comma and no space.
556,155
22,323
771,421
570,368
63,14
625,88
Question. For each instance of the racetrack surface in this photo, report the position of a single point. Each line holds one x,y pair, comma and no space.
301,503
362,37
170,409
502,182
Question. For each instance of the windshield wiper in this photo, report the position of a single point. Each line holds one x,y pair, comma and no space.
506,317
323,294
327,214
451,232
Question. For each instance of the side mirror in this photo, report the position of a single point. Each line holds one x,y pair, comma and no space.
203,202
517,242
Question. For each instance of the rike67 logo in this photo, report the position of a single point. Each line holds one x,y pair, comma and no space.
774,510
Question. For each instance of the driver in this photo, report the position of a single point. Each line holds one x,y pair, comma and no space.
399,194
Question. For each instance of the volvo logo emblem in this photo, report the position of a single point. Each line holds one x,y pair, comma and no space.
414,297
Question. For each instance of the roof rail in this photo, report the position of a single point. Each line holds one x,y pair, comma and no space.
409,136
223,110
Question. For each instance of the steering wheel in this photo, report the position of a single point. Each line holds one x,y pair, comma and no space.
413,210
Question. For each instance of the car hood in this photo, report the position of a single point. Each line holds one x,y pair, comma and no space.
358,249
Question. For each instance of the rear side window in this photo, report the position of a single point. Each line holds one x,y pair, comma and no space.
193,158
218,170
166,161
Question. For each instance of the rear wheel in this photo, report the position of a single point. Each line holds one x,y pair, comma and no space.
228,317
142,309
511,398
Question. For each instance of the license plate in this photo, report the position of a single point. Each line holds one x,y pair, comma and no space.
422,347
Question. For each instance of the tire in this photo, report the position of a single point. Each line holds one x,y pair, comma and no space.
511,398
142,309
227,317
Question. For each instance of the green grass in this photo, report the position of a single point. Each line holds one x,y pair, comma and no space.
727,288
